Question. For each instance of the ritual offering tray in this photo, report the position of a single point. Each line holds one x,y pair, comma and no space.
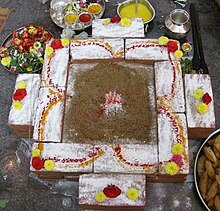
207,171
22,51
76,14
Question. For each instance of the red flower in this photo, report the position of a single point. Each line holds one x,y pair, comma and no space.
56,44
19,94
172,46
37,163
206,98
178,160
115,19
112,191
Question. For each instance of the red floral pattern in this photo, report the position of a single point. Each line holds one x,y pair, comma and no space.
19,94
112,191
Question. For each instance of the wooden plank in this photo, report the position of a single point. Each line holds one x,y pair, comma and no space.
4,15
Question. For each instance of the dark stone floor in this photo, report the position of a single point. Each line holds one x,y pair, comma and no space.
20,190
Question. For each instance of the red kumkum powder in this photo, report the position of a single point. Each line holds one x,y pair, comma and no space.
85,18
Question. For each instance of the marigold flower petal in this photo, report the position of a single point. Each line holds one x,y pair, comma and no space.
6,61
178,54
177,149
21,85
133,194
198,94
171,168
125,22
65,41
106,21
29,69
49,51
163,40
202,108
49,165
17,105
100,197
36,153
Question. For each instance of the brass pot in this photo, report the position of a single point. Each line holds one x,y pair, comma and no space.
177,24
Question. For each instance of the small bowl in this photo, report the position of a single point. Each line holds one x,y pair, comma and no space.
145,2
85,17
92,10
71,17
198,155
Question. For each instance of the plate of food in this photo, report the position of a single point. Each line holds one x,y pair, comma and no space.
76,14
207,172
22,51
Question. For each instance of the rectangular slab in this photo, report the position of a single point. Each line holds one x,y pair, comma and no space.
169,86
55,66
111,30
68,158
172,132
92,50
127,158
91,184
22,121
49,114
146,51
199,125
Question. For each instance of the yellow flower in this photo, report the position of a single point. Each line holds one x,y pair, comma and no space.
100,197
177,149
49,165
41,59
106,21
202,108
36,153
6,61
198,94
31,29
178,54
171,168
133,194
49,51
125,22
29,69
17,105
32,50
69,7
163,40
65,41
21,85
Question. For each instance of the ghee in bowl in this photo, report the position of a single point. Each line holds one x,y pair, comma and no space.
129,11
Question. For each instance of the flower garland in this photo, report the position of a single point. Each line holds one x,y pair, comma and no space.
124,22
204,99
19,94
26,50
172,46
38,162
112,191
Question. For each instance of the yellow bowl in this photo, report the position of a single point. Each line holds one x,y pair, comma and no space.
145,10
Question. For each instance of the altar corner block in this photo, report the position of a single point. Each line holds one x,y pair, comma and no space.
129,191
200,125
